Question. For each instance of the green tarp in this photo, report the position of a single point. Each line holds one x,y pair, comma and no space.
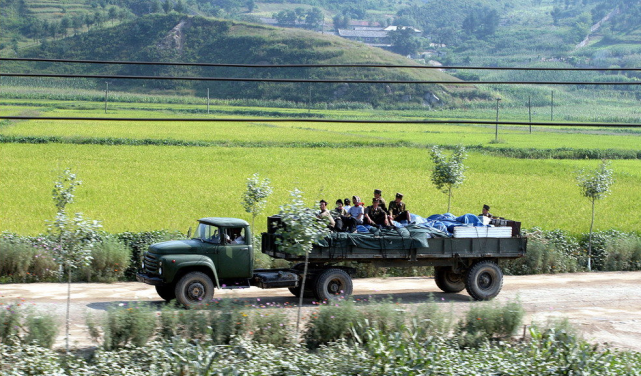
403,238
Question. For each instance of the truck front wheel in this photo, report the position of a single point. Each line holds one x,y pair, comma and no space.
484,280
447,280
332,284
194,288
167,293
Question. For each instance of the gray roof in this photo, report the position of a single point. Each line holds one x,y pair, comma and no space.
362,33
223,221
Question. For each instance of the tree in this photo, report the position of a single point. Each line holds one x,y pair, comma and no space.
314,18
341,21
301,229
286,17
180,7
448,174
167,7
403,41
73,237
255,197
595,185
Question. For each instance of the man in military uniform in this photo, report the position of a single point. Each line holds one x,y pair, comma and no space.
382,203
486,211
375,215
397,210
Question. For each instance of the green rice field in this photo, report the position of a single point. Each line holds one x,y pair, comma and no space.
135,188
284,132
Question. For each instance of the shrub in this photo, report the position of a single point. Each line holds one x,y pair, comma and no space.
41,330
623,253
385,316
489,321
10,319
132,325
110,260
331,322
270,326
228,320
606,242
26,259
15,261
429,320
19,325
547,252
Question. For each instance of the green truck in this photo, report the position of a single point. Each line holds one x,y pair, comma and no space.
221,255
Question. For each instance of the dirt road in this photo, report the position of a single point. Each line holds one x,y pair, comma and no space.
605,307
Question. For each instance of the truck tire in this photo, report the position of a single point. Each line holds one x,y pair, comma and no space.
167,293
296,291
194,288
332,284
484,280
447,280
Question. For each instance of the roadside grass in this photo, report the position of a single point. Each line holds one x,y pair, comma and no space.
135,188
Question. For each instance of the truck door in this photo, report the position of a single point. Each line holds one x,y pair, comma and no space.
212,243
235,259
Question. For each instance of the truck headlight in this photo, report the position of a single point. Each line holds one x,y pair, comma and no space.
160,271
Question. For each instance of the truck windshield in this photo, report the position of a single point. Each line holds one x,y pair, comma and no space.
208,233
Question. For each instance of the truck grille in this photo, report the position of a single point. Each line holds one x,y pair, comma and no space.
151,263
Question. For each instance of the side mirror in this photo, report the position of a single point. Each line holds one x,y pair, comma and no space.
189,233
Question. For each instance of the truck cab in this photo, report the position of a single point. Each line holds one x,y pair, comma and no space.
220,253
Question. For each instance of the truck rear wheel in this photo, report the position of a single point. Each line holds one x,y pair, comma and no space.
447,280
484,280
194,288
296,291
167,293
332,284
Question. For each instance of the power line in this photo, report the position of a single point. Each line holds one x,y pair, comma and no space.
310,65
328,81
307,120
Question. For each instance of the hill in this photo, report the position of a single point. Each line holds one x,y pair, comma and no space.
180,38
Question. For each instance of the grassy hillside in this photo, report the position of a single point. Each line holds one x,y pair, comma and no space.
176,37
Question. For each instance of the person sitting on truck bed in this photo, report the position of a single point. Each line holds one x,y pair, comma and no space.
375,215
339,214
382,202
397,210
325,215
348,205
486,211
354,215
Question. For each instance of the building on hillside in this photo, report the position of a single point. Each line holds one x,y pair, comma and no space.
377,38
374,36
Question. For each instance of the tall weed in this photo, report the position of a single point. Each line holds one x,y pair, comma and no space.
110,260
489,321
270,326
331,322
133,325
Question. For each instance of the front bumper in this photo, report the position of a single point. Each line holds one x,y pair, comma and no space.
145,278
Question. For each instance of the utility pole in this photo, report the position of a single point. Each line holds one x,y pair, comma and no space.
106,96
496,132
552,107
529,111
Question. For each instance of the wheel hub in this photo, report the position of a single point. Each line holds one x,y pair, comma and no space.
334,287
196,291
485,280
